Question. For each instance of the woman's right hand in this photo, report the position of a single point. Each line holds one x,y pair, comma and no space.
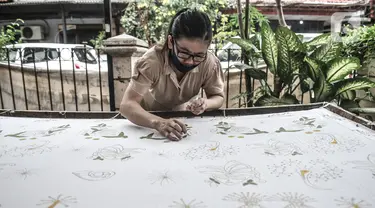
171,128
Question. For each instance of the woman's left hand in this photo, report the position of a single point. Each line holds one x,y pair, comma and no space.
197,106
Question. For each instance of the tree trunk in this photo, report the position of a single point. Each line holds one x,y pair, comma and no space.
240,23
246,58
280,13
247,16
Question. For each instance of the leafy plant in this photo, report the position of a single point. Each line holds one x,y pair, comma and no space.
316,67
360,42
149,20
8,36
283,52
249,42
229,24
331,73
98,41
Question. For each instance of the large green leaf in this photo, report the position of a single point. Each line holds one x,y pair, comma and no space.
254,73
362,110
349,95
246,45
269,48
357,83
314,68
300,37
323,90
341,67
328,51
291,53
319,40
268,100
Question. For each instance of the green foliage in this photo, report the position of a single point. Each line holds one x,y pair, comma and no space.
250,44
327,51
229,24
339,68
149,20
98,41
283,52
317,41
291,53
353,84
269,48
268,100
254,73
8,36
227,27
246,45
319,66
331,71
360,42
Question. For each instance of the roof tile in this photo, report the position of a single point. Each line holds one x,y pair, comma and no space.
30,2
303,2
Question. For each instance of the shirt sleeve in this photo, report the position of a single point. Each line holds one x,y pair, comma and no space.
142,77
214,82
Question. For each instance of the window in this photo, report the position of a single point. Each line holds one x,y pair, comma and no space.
33,54
40,54
13,55
83,57
52,54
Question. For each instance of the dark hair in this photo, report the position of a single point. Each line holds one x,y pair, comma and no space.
191,24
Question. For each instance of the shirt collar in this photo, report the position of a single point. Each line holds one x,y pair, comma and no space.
167,67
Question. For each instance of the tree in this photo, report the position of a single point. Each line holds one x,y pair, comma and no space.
250,41
149,19
8,35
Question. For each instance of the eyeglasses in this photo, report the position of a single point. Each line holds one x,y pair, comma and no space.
185,55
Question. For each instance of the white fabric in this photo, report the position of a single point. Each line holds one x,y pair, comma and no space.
298,159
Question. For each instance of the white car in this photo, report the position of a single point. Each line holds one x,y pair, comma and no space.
46,56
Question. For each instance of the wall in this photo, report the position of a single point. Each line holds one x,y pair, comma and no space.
52,27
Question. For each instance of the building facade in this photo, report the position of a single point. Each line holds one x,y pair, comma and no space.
44,20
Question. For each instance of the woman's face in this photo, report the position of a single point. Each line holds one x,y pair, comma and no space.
188,51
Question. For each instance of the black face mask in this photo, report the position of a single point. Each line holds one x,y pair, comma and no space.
179,66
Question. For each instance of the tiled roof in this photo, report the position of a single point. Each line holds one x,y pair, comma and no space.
29,2
233,3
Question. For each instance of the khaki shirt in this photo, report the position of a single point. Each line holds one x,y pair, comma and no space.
154,79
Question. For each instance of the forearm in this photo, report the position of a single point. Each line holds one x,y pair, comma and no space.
214,102
137,115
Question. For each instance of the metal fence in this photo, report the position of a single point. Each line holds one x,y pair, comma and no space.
76,79
61,79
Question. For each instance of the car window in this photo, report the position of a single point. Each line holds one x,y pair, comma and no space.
12,55
52,54
40,54
84,55
66,54
29,53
